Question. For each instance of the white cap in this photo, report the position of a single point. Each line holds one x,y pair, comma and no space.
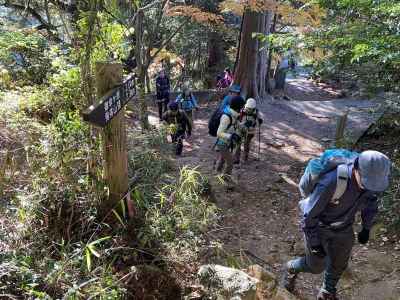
251,103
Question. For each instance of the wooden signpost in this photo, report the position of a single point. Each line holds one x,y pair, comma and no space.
113,94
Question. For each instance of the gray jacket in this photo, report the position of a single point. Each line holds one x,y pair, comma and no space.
325,213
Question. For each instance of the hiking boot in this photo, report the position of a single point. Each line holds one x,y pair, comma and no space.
324,295
288,279
236,162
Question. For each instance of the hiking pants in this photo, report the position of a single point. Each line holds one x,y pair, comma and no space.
177,139
162,107
337,245
189,114
225,157
238,150
280,79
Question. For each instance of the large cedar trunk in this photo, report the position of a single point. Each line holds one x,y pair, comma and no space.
215,57
251,66
246,67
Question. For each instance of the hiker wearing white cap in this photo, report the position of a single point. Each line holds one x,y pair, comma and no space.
327,221
249,118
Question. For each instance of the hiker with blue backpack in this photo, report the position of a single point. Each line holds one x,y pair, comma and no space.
335,187
234,91
187,102
224,125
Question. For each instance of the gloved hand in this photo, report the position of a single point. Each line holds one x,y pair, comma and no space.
363,236
248,124
235,138
318,250
260,121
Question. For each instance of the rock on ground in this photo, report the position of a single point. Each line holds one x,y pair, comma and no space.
255,283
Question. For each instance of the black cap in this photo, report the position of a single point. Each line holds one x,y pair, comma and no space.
237,103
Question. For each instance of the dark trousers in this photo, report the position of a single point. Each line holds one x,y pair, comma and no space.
162,107
177,139
337,245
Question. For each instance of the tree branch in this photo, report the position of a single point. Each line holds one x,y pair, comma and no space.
32,12
166,42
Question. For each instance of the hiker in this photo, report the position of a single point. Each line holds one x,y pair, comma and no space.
162,87
181,125
249,118
280,75
225,80
187,102
234,91
329,212
227,135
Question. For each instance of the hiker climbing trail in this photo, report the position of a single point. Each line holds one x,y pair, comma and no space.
260,217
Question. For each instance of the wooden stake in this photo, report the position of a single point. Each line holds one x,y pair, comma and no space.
340,127
114,139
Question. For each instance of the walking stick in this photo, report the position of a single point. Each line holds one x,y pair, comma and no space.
259,141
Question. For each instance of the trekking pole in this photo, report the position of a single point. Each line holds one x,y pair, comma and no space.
259,142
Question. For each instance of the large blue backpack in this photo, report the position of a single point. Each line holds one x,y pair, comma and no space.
317,167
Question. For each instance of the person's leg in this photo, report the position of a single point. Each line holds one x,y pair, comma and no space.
160,109
179,145
247,143
338,253
309,263
166,101
220,162
229,161
237,153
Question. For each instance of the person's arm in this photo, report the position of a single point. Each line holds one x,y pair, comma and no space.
165,117
223,127
319,199
369,212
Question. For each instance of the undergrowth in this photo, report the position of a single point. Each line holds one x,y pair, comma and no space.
384,136
58,247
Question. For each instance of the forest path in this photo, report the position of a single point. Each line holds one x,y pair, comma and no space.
260,218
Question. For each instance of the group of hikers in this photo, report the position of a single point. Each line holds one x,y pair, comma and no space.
334,187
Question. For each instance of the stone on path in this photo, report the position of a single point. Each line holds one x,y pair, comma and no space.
227,283
255,283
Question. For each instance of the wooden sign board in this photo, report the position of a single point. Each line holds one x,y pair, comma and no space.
109,105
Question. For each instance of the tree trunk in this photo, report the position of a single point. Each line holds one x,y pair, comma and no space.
143,113
246,70
268,77
265,25
215,57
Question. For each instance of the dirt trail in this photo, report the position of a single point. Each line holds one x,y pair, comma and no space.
260,217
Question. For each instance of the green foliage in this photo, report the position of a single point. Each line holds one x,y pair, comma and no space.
360,40
23,54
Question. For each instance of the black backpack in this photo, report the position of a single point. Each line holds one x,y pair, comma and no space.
214,121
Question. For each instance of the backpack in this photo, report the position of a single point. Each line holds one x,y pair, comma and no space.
317,167
214,121
185,103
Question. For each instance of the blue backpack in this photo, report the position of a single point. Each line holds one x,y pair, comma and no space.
317,167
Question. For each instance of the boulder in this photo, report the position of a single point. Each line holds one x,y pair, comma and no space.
266,284
227,283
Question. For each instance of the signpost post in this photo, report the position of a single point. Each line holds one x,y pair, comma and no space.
108,112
